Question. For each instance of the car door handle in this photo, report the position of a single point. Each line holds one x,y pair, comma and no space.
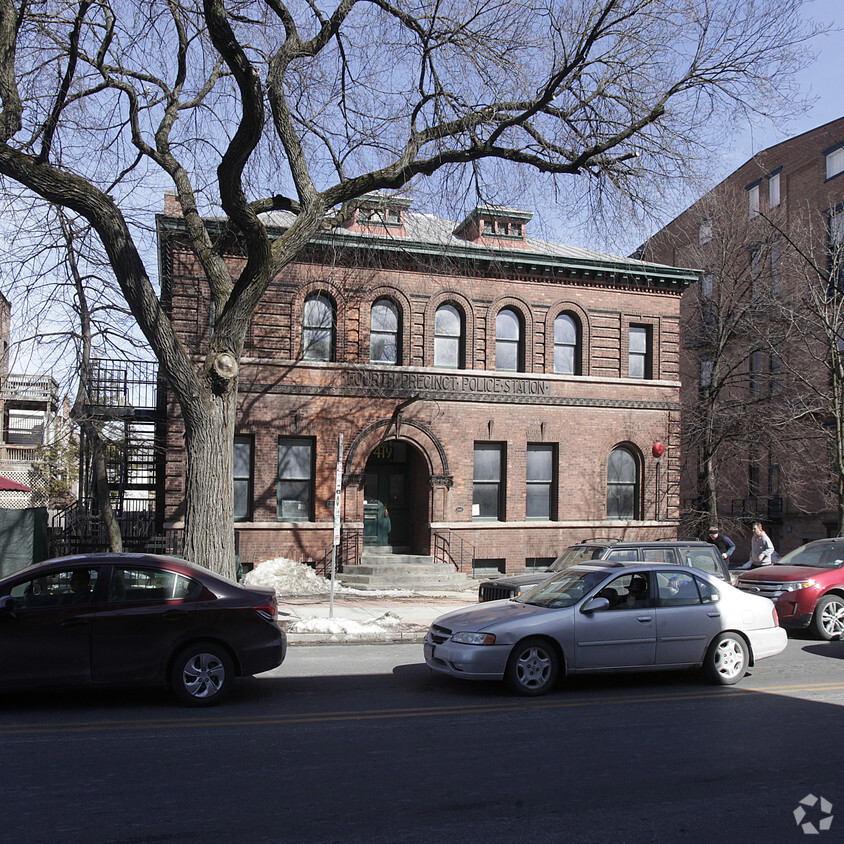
74,622
714,614
644,618
174,615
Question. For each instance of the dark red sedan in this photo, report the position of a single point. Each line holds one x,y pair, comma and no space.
126,619
807,587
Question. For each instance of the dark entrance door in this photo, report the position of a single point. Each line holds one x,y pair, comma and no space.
386,512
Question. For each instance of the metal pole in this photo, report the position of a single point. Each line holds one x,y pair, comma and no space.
338,485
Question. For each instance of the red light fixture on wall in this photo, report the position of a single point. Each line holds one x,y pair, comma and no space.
658,450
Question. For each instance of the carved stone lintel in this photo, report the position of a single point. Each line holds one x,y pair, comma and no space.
441,480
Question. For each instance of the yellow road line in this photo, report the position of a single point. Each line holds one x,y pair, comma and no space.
411,712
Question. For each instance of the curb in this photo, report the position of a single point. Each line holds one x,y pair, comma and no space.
408,637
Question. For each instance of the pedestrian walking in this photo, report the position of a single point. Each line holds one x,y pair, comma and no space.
722,542
761,548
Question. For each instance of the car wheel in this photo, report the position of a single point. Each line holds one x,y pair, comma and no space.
727,659
202,674
828,619
533,667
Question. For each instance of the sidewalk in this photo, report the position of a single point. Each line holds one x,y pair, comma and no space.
362,618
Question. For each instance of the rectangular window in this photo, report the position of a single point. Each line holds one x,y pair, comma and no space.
295,494
834,162
776,266
640,357
753,475
488,487
836,250
704,232
538,564
755,370
706,285
753,200
755,272
774,190
540,493
243,483
705,373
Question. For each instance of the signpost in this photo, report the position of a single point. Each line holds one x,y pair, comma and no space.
338,486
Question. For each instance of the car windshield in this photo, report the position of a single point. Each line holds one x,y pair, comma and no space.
575,555
825,556
564,590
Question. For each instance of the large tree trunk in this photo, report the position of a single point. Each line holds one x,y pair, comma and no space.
209,498
98,460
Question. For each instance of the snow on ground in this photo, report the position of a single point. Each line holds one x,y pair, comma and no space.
383,628
290,579
295,580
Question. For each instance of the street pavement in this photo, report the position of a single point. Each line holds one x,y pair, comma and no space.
363,618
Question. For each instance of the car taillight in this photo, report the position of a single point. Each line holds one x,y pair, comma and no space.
776,617
268,608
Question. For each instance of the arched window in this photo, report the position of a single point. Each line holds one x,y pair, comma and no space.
567,345
509,349
318,321
448,337
622,485
385,333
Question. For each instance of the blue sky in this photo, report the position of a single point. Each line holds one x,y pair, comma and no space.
822,79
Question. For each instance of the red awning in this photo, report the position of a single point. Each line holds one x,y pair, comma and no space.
8,485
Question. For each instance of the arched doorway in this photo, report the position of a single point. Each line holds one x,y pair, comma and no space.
396,497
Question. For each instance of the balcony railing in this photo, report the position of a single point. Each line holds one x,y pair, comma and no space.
123,385
30,388
758,506
18,453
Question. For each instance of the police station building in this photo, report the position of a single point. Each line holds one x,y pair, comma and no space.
499,397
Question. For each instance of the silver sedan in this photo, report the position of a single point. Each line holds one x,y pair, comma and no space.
608,617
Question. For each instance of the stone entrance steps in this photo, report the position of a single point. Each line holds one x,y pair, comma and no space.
381,568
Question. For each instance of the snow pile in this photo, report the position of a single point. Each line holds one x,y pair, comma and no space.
379,629
288,578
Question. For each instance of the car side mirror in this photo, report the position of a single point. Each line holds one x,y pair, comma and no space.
7,605
595,605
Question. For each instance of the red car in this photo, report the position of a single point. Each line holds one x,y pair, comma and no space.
807,586
126,619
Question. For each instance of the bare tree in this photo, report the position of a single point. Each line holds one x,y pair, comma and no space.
809,315
733,360
242,104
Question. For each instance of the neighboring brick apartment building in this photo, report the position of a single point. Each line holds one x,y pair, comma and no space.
746,235
508,395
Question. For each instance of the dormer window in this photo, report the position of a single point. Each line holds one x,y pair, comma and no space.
502,228
493,221
380,216
377,212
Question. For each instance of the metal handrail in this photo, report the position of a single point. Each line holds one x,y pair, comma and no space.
443,552
348,553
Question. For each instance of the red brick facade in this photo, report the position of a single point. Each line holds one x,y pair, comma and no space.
780,204
415,426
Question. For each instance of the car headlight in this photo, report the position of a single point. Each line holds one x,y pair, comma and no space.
798,584
473,638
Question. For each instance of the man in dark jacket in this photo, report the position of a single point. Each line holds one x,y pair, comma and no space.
723,543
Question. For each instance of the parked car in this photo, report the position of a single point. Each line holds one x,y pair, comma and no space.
807,586
702,555
607,616
125,619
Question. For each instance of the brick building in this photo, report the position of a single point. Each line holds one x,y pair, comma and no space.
499,397
763,237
